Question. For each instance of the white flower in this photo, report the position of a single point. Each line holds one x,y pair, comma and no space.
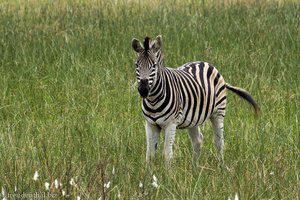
63,193
155,182
113,170
47,186
56,183
236,197
140,184
78,197
107,185
154,178
35,176
72,182
3,192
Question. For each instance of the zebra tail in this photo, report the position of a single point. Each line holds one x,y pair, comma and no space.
245,95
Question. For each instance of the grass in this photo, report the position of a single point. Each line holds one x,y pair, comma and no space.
69,108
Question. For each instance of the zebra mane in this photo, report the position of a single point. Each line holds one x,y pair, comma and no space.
147,43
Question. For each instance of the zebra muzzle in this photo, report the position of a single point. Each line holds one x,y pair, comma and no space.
144,88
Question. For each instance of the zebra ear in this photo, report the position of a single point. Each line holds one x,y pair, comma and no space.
136,45
157,43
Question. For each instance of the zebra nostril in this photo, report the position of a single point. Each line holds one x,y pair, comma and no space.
143,92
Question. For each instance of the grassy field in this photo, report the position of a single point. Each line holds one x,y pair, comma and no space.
70,111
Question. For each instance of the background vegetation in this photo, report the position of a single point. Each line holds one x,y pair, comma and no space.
70,111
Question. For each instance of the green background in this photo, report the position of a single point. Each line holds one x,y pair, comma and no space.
69,106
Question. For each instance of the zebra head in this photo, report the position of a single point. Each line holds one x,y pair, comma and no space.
149,58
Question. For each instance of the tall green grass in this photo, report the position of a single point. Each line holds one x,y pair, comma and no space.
69,108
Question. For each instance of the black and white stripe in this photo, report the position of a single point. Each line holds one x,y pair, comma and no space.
180,98
186,95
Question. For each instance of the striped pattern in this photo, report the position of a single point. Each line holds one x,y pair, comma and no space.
189,95
181,98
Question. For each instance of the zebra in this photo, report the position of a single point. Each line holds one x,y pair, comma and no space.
182,98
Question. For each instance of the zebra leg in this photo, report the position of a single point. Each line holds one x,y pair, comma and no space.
170,131
218,127
152,133
197,140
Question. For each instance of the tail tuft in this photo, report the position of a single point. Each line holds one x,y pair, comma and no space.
245,95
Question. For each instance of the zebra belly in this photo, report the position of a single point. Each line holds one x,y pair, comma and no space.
161,120
182,120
